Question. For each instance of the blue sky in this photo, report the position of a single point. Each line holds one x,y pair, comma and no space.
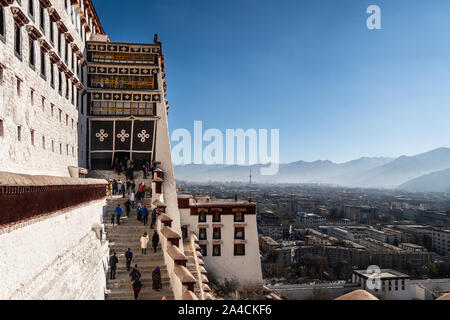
310,68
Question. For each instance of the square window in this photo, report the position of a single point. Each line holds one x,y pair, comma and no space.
202,234
239,233
202,215
216,216
217,233
239,249
239,215
216,250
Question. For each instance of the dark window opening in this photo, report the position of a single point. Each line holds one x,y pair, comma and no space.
52,32
42,18
18,41
31,9
203,250
2,24
32,55
239,249
43,65
239,233
202,216
59,43
217,234
216,216
238,216
216,250
52,75
59,83
202,234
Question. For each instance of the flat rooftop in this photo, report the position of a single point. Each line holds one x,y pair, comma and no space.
385,274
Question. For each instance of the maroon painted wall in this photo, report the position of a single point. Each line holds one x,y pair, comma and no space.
22,203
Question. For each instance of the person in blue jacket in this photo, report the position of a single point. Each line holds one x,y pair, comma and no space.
145,214
119,212
129,257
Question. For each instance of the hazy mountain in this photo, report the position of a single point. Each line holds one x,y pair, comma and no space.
403,169
364,172
295,172
434,182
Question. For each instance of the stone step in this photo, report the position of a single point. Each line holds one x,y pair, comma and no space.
126,282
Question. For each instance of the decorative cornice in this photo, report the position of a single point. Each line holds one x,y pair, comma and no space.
54,58
5,3
68,37
61,26
20,18
33,32
54,16
45,4
45,46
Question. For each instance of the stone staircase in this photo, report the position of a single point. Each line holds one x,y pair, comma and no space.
125,236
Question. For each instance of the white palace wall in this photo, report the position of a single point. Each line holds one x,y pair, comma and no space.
56,257
19,110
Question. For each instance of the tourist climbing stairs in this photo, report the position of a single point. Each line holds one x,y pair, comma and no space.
128,235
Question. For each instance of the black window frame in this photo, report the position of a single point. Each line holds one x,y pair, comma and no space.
214,246
59,83
203,234
52,32
42,18
32,55
202,216
215,235
236,231
203,249
52,75
67,89
2,25
43,65
236,245
18,41
235,216
59,43
216,214
31,11
66,53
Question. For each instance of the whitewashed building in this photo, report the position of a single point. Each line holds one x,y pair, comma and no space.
227,235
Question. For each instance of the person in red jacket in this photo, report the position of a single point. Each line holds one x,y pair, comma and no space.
142,189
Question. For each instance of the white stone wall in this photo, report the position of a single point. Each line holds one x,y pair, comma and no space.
18,110
244,269
163,154
55,257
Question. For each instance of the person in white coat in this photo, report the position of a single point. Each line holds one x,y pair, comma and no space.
144,241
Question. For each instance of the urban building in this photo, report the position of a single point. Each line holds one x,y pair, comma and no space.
227,234
310,218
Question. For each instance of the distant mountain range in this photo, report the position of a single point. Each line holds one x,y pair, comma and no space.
429,171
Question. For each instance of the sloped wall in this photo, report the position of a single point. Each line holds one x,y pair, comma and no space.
58,256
